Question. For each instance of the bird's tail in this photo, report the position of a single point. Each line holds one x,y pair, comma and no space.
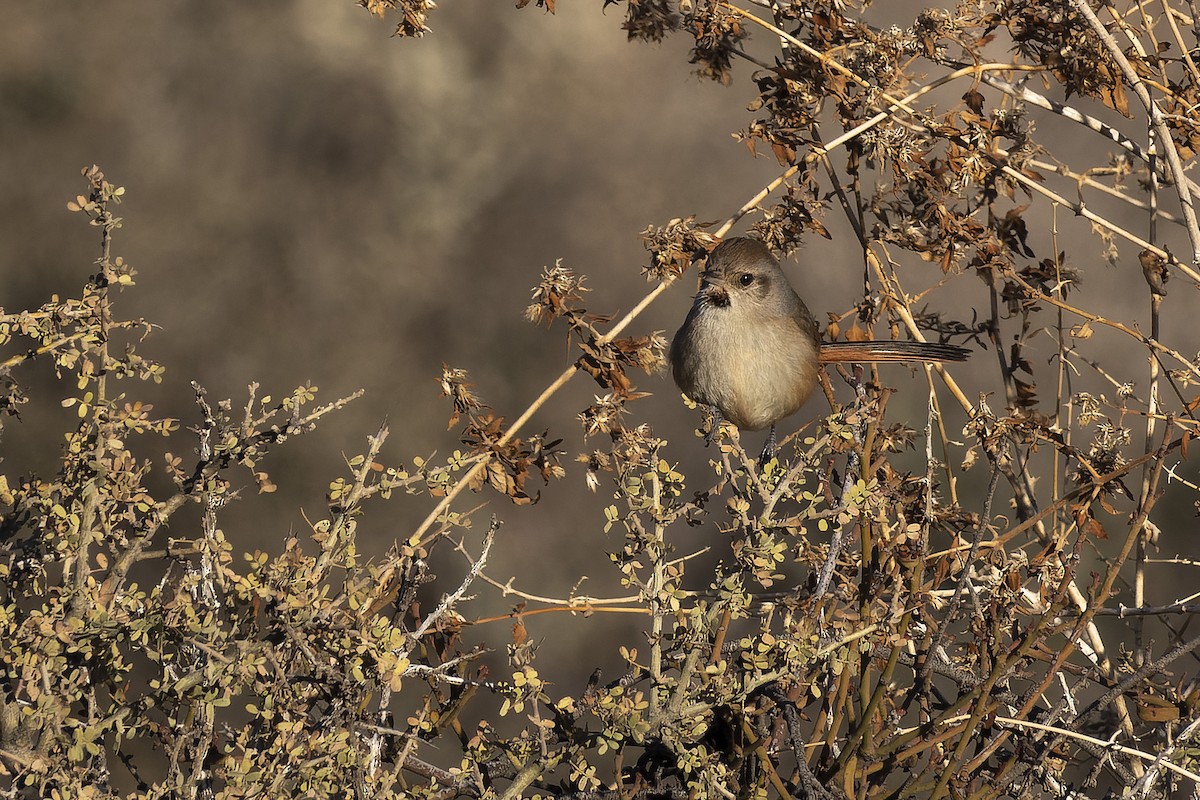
891,351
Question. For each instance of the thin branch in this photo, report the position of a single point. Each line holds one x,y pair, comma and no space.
1178,176
1112,746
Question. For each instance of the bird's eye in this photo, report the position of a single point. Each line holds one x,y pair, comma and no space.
745,279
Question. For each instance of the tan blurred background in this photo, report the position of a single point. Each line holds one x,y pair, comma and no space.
311,199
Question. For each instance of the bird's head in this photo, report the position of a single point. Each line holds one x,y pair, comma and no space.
743,275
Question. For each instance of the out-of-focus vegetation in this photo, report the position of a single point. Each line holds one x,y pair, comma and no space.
960,582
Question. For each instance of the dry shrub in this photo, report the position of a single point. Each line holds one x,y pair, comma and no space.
958,603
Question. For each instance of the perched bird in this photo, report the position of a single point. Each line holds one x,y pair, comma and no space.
751,349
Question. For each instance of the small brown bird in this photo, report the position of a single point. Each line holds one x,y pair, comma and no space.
751,349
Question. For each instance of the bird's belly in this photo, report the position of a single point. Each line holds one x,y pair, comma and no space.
756,379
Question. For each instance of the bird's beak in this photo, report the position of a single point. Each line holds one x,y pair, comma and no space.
712,290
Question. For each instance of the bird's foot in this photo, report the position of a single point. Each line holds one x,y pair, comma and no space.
710,436
770,448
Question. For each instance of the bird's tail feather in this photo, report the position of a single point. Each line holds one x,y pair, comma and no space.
891,351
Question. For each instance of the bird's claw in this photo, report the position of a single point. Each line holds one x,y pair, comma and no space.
770,448
710,437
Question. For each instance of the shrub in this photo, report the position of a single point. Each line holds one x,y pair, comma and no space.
901,607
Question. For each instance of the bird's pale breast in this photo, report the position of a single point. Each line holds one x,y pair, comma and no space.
754,374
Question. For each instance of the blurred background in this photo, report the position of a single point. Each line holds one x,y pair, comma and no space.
310,199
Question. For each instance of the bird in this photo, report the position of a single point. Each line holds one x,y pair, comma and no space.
751,349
